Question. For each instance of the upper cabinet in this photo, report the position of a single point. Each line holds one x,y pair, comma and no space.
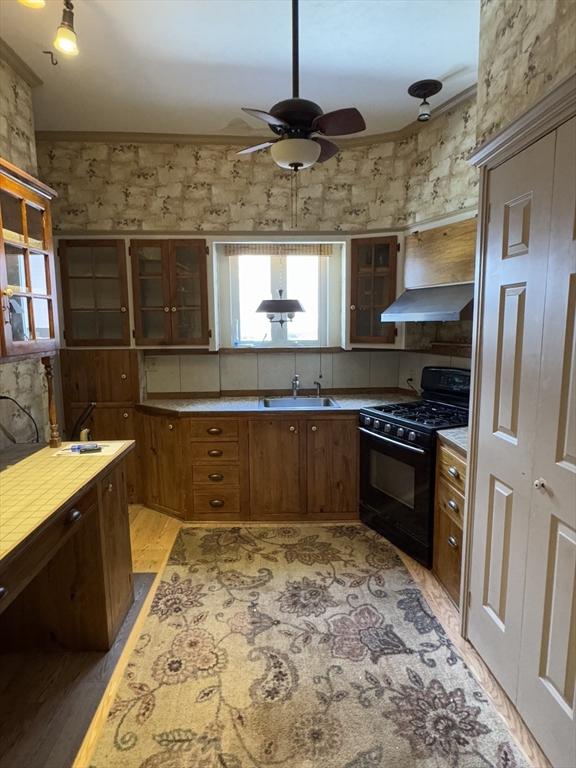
373,288
170,292
94,292
440,256
27,281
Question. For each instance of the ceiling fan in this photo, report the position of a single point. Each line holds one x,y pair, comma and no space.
296,122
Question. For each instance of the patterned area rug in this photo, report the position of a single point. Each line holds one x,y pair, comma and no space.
300,648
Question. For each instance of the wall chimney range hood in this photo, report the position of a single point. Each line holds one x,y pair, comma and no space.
438,303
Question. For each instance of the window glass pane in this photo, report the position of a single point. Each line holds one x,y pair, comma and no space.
303,273
189,324
35,220
106,261
79,261
382,290
382,255
110,325
107,294
37,262
253,287
20,318
11,217
16,267
153,324
41,318
82,294
150,260
363,322
84,325
187,260
151,292
365,257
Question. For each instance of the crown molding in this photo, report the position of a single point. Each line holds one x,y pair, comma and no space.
127,137
11,58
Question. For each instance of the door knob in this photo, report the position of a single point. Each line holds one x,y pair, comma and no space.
453,506
123,376
352,307
110,487
293,429
173,309
166,309
453,542
125,415
170,427
540,483
123,309
73,516
314,428
453,472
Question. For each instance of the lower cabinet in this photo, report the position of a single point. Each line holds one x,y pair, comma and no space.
163,463
332,466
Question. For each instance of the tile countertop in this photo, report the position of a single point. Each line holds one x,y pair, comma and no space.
40,485
456,437
231,405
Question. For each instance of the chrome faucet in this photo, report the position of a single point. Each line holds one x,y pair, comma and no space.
318,389
295,385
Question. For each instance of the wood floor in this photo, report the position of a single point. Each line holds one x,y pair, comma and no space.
153,534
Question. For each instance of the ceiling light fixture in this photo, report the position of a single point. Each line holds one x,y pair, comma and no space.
423,89
285,308
34,4
66,41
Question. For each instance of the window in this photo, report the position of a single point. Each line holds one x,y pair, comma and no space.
308,272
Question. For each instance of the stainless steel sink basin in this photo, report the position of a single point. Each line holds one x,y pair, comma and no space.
300,403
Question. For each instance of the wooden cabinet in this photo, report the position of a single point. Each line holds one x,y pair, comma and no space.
165,465
94,292
27,280
440,256
170,292
277,468
100,376
373,288
332,466
448,521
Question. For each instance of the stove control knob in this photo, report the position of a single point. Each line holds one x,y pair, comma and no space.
366,420
387,428
400,432
376,424
411,436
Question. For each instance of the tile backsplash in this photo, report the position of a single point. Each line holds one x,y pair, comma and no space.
269,371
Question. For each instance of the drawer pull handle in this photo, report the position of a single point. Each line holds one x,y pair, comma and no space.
214,431
453,542
216,503
73,516
453,472
453,506
214,453
216,477
3,592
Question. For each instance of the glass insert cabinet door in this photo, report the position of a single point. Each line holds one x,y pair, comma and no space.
373,288
170,291
95,292
26,267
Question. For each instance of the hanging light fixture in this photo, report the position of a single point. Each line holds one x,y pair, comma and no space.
423,89
66,41
284,308
34,4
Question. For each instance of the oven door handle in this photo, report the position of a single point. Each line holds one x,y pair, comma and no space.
412,448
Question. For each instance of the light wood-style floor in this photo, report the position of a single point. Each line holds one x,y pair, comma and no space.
153,535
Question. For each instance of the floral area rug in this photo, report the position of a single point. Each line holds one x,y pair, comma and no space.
296,647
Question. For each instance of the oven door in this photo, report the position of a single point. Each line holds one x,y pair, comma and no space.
396,493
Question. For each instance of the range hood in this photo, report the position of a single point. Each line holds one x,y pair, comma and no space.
441,302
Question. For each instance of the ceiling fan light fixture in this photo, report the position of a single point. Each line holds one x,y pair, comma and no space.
66,41
34,4
295,154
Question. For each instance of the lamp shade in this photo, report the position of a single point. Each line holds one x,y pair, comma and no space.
294,154
66,41
36,4
279,306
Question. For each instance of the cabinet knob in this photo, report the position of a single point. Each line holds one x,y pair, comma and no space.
216,503
214,453
166,309
123,309
314,428
352,307
170,427
123,376
173,309
125,415
293,429
540,483
3,592
453,542
214,431
453,472
73,516
215,477
453,506
110,487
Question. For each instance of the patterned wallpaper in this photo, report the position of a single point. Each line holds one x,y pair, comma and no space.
208,188
17,144
526,48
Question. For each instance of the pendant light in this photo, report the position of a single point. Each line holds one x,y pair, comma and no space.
284,308
34,4
423,89
66,41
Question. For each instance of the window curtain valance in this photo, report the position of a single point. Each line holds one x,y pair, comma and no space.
277,249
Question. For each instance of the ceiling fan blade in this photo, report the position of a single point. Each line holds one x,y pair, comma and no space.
266,116
256,147
327,149
340,122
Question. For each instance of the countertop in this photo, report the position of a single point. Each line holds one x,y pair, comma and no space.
456,437
240,405
40,485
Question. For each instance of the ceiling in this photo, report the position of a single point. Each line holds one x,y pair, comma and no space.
187,66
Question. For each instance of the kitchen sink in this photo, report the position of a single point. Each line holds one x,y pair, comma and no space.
300,403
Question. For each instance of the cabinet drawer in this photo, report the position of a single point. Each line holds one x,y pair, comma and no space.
217,476
30,557
450,501
213,452
216,501
452,468
448,553
212,429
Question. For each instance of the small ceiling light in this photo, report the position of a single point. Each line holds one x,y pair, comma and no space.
285,308
35,4
66,41
295,154
423,89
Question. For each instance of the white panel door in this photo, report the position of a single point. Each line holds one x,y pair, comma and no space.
548,656
520,195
